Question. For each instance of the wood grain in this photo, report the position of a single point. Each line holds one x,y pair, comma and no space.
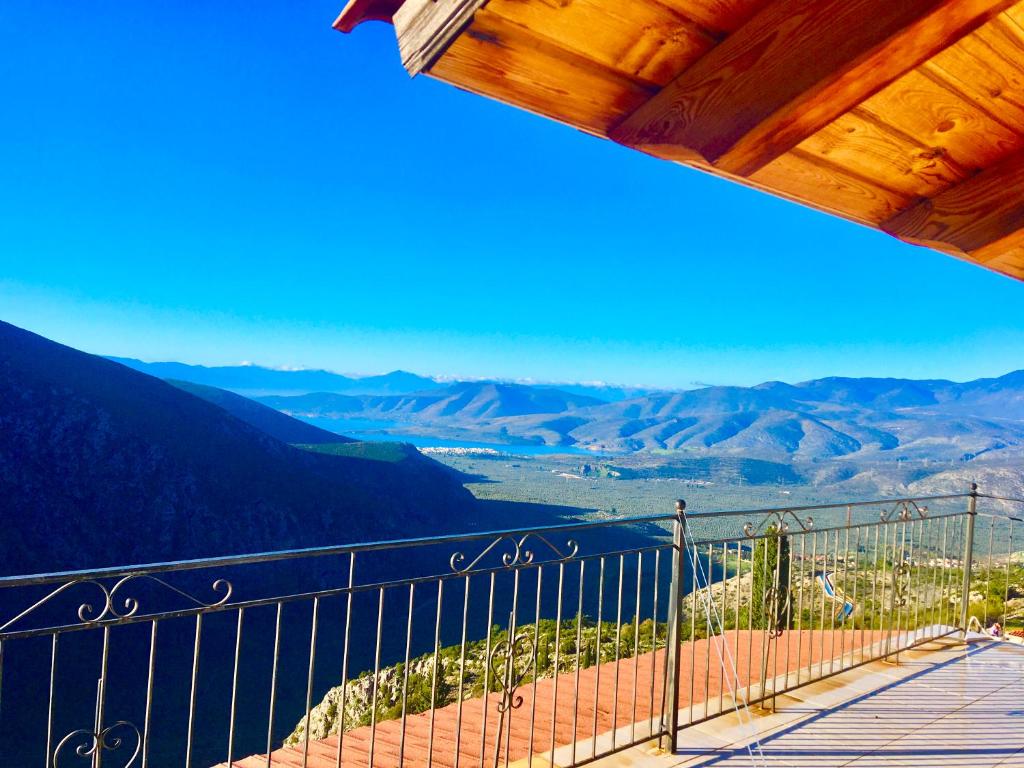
505,61
979,212
801,177
646,41
871,148
425,29
934,116
791,70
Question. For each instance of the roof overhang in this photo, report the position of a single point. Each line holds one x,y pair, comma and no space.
903,115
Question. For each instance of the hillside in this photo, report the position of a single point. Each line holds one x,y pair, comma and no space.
102,465
266,419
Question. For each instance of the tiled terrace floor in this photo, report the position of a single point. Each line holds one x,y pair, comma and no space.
570,720
945,706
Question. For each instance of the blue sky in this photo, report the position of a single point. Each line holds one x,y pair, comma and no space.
219,182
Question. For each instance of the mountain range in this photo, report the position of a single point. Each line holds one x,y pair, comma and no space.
258,380
877,419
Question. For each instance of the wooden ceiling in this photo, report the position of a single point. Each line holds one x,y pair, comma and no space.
903,115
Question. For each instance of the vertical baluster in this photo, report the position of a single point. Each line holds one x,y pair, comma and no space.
618,648
597,675
557,668
944,572
192,689
234,689
935,600
273,687
654,637
344,656
875,605
436,670
510,670
824,574
810,606
694,586
854,598
376,677
772,624
1006,583
405,675
736,622
636,643
536,651
309,679
487,672
52,698
101,698
462,671
576,694
801,580
750,628
882,625
915,579
988,574
708,630
846,592
150,676
832,610
720,639
788,617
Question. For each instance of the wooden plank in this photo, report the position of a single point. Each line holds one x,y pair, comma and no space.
976,213
643,40
987,67
799,176
504,61
791,70
924,109
864,145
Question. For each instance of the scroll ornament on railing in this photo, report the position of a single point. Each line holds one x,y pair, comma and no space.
112,606
904,511
900,582
517,555
507,672
96,742
780,521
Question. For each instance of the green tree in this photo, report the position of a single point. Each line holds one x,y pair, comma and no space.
771,604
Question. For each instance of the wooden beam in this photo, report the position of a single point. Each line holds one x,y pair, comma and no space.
425,29
791,70
971,217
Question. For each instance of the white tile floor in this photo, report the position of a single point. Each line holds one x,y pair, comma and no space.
945,707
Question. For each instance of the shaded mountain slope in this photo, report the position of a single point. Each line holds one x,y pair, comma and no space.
266,419
102,465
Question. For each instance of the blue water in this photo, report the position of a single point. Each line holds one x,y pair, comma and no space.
370,430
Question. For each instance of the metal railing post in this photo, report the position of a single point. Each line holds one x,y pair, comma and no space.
675,622
965,599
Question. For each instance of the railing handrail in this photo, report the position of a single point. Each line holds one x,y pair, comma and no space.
339,549
342,549
837,505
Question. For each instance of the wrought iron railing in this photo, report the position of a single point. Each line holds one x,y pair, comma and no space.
562,644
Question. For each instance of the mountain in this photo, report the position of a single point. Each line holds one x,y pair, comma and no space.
257,380
103,465
857,420
468,402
